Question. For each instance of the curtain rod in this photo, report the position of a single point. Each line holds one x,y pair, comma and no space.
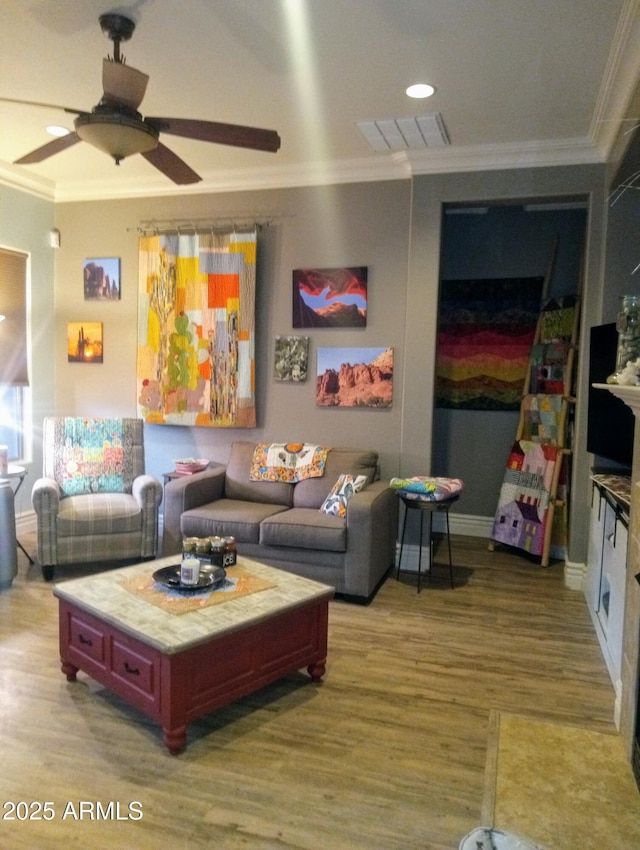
228,224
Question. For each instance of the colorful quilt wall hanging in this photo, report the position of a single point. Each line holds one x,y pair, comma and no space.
485,333
196,329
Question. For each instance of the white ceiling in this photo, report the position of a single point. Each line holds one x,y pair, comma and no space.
518,82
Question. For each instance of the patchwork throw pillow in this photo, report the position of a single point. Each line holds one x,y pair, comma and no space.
336,502
93,455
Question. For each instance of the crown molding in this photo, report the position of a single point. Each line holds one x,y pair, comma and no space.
15,178
619,81
534,154
397,165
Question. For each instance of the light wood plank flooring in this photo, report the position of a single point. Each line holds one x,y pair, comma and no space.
387,754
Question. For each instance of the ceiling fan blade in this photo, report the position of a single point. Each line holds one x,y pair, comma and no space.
122,84
51,148
221,134
171,165
44,105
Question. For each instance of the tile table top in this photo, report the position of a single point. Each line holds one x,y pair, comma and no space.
105,596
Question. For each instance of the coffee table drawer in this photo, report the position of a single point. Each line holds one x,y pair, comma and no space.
134,669
115,659
87,639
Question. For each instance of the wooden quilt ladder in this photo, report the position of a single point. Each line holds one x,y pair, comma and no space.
532,512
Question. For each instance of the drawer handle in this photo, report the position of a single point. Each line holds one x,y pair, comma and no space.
133,670
84,640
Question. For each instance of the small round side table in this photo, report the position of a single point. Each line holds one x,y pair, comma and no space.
428,507
20,472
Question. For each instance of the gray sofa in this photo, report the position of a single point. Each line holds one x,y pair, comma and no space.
280,523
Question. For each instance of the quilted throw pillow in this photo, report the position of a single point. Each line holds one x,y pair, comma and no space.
92,456
336,502
426,489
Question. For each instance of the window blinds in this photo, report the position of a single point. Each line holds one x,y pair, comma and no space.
14,368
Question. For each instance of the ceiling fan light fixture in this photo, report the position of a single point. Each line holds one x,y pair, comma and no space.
420,90
117,134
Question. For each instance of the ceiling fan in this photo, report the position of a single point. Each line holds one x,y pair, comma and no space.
116,127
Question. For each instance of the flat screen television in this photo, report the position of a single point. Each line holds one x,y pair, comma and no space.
610,423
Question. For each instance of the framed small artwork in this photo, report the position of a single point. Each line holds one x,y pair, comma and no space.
84,342
354,377
330,298
102,279
291,361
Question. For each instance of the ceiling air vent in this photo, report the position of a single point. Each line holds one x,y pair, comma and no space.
400,134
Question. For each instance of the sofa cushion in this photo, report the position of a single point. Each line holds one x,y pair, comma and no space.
99,513
238,486
312,492
226,517
305,528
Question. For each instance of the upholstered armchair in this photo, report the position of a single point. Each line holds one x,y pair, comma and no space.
94,503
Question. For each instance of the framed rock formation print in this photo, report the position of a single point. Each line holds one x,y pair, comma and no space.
354,377
102,279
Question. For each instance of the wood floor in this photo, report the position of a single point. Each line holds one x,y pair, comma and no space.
388,753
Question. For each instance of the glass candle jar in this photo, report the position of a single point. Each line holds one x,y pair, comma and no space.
628,327
203,546
189,544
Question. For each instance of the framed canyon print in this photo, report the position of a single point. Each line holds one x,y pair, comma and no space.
330,298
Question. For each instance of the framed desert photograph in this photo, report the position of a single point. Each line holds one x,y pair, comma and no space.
330,298
102,279
291,361
354,377
84,342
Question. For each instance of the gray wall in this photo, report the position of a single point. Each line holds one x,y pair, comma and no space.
25,223
360,224
623,252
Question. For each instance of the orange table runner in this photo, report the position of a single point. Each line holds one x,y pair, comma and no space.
176,602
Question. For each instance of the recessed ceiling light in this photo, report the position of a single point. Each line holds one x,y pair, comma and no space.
57,130
420,90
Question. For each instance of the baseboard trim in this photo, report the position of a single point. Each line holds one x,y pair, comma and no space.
466,525
574,575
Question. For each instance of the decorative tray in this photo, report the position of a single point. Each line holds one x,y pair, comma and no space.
188,466
210,578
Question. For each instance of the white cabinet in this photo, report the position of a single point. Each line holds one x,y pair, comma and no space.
606,577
